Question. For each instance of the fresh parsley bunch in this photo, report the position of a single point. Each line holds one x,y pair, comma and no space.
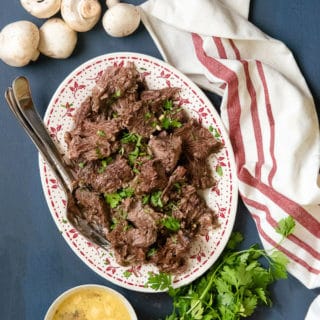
233,287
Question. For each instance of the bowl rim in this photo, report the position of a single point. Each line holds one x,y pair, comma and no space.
65,294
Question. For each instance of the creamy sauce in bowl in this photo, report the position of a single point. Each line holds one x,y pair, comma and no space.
91,302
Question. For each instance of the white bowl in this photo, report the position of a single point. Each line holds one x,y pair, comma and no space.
60,299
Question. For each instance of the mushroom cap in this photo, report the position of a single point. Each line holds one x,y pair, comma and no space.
81,15
121,19
57,39
111,3
19,43
41,9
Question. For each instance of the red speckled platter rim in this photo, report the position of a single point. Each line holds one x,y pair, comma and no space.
223,198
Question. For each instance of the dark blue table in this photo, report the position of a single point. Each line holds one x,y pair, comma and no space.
36,264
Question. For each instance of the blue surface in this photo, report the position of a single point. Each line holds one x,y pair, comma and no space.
36,264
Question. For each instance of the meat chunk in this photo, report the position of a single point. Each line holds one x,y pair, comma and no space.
93,140
152,177
197,141
113,177
200,174
197,216
173,255
138,119
83,113
89,148
125,252
94,208
157,98
167,149
115,82
177,178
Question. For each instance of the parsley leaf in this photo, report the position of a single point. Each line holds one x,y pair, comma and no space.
168,105
171,223
114,199
159,281
168,123
101,133
155,199
286,226
131,137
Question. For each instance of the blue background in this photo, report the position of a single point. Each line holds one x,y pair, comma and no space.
36,264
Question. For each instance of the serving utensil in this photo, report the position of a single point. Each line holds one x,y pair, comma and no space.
21,104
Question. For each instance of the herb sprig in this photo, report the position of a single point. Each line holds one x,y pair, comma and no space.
233,287
114,199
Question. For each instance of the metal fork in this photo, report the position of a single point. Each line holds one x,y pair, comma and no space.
21,104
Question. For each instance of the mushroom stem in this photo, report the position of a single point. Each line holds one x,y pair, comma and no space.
35,55
81,15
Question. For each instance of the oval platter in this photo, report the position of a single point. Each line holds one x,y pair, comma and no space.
222,198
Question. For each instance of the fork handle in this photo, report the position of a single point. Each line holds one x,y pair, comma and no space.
22,94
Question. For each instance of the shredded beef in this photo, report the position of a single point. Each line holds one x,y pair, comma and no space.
152,177
140,162
167,149
198,142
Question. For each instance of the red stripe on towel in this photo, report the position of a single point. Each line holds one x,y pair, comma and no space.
220,47
272,222
234,108
271,121
281,248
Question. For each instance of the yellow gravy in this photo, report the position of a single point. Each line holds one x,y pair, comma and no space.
92,304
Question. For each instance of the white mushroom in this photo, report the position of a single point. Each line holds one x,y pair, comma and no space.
121,19
19,43
57,39
81,15
111,3
41,8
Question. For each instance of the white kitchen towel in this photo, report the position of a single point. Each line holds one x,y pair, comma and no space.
267,109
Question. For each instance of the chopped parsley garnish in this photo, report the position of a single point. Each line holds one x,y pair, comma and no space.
134,155
126,193
139,149
114,199
127,273
147,115
117,94
101,133
155,199
171,223
154,124
114,223
99,153
151,252
81,165
135,170
145,199
168,123
168,105
131,137
177,186
104,164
